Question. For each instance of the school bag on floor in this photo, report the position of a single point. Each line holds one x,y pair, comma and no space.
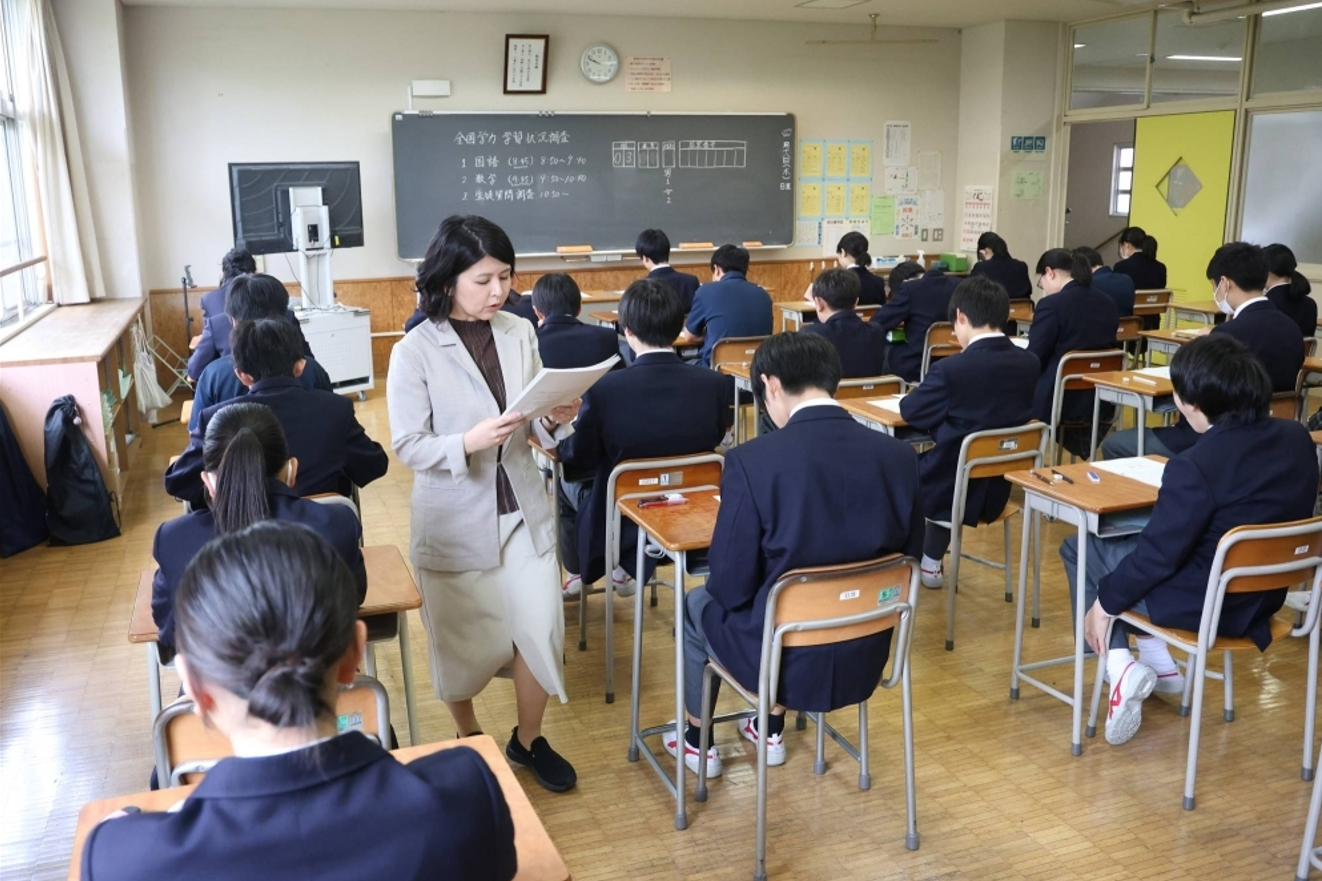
22,505
79,509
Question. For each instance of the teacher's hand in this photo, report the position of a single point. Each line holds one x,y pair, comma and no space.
568,413
491,432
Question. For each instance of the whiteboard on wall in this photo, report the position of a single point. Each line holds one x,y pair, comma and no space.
1283,189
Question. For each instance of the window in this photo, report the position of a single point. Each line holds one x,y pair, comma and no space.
1110,63
1122,180
1196,61
1289,51
21,290
1282,188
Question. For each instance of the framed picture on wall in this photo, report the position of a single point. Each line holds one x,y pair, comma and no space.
525,64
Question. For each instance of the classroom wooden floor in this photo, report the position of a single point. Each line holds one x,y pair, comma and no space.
999,795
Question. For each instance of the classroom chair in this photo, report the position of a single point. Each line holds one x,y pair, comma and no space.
1309,855
1249,559
352,503
940,342
869,387
632,479
1128,336
738,350
983,454
1070,371
1290,405
821,606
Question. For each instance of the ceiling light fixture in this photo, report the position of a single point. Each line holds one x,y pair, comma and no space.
1293,9
829,4
1079,45
1203,58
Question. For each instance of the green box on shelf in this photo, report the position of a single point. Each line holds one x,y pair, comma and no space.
956,262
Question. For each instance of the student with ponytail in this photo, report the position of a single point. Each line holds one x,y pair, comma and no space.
1138,260
852,254
1288,290
995,262
248,474
266,631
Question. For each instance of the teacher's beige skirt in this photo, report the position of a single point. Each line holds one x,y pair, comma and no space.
477,620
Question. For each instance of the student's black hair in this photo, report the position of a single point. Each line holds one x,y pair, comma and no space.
1242,263
1133,236
1280,261
267,613
654,245
1072,262
984,302
839,288
1092,255
266,348
1222,377
556,293
902,273
990,241
855,244
459,243
652,311
256,295
801,361
235,263
244,447
730,258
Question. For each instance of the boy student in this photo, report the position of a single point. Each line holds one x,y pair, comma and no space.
235,263
729,305
249,298
562,340
916,303
653,248
658,406
1237,272
1116,285
821,491
321,428
515,304
860,345
1246,469
214,341
987,385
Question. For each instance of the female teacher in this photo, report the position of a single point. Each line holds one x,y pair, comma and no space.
482,537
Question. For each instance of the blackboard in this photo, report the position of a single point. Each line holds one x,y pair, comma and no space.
598,179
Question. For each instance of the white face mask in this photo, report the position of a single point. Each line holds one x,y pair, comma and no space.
1223,305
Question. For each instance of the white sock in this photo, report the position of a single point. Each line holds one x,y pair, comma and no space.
931,565
619,574
1156,654
1116,662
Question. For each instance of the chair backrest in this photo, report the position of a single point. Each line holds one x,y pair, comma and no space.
869,387
1286,405
735,350
1128,330
1251,559
940,342
1152,297
364,706
633,478
1310,346
999,451
335,499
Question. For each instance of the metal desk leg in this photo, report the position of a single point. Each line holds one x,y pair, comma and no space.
1142,421
609,580
1096,415
757,414
406,670
154,679
738,420
1076,745
1030,521
681,817
636,687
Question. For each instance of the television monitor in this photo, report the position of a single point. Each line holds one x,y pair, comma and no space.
259,203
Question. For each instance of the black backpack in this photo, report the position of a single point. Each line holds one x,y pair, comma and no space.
79,509
22,504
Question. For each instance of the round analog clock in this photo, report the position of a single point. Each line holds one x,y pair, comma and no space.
600,63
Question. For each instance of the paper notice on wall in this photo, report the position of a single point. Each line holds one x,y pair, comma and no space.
860,160
861,225
810,158
1026,185
837,159
836,196
808,232
860,198
883,215
976,218
832,230
646,74
933,213
902,180
810,199
906,217
929,170
895,149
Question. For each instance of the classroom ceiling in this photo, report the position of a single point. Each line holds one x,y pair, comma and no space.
920,13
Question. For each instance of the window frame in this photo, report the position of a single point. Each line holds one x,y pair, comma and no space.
1118,166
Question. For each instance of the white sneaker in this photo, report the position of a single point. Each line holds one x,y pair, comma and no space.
933,579
728,440
1170,683
626,588
775,742
671,739
572,588
1127,696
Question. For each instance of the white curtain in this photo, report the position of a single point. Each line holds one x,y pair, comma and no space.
63,229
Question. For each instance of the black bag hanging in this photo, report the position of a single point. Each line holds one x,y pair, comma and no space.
22,503
78,505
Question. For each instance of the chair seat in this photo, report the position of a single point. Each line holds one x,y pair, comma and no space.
1010,510
1279,628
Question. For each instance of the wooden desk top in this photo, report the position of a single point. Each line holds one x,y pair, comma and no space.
1114,493
539,860
605,315
742,371
1134,382
686,527
1206,307
862,407
390,589
1165,335
72,334
602,296
1317,437
185,413
536,444
1313,365
1021,311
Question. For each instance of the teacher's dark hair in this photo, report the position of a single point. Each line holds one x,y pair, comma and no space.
266,613
1223,378
652,311
1072,262
244,447
855,245
1280,261
459,243
801,361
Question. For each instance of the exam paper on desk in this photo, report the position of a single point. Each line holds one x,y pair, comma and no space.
1159,372
891,404
1140,469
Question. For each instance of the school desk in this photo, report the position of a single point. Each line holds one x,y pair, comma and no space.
539,860
1205,312
390,591
1152,302
186,413
1312,372
881,419
1148,391
743,382
1165,341
794,313
611,319
1116,505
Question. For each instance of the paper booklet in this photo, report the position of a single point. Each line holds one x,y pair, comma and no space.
555,388
1142,470
891,404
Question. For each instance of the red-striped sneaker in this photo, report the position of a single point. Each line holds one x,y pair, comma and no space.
1170,683
572,587
670,741
775,742
1127,696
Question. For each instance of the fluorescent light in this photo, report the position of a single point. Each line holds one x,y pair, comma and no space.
1203,58
1079,45
829,4
1293,9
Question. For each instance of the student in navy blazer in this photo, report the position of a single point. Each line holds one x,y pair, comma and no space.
1237,272
1072,317
215,341
253,293
860,344
988,385
249,476
852,253
266,631
659,406
235,263
1288,289
323,433
653,248
1138,260
1246,469
995,262
1116,285
562,340
728,306
821,491
917,304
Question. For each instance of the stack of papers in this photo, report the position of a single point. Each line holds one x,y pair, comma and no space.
1020,341
1140,469
891,404
1158,372
554,388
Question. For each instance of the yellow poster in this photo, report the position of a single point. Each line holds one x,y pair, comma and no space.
837,159
810,159
835,200
810,200
860,199
860,159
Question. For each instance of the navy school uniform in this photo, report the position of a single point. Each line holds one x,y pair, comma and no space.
215,341
414,320
731,307
1264,472
178,541
918,304
1116,285
822,491
564,342
1073,319
862,345
219,382
684,284
1148,274
322,431
988,385
1009,273
1301,310
658,406
520,305
341,810
872,287
212,303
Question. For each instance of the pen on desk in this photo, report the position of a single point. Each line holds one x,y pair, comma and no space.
661,503
1045,480
1055,473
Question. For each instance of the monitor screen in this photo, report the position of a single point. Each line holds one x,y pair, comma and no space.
259,203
